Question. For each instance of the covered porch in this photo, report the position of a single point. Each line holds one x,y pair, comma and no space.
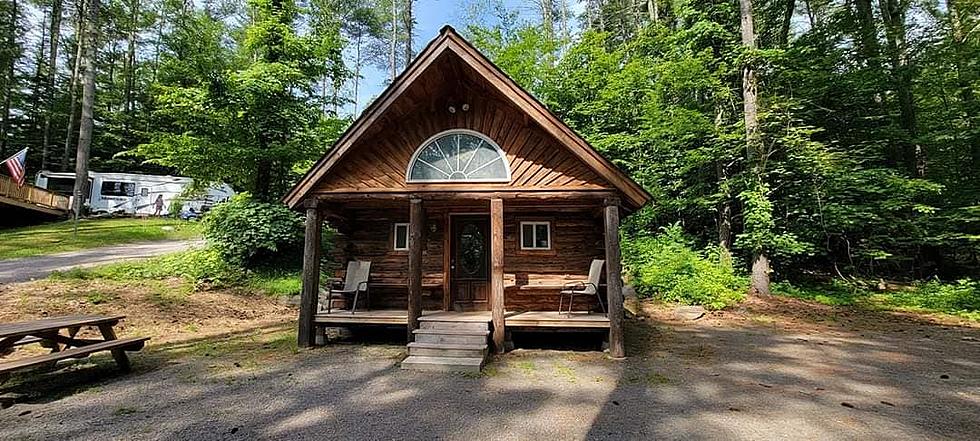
526,319
425,280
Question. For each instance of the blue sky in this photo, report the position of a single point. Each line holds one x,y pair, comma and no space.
430,16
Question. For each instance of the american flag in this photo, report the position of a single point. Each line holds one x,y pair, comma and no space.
16,166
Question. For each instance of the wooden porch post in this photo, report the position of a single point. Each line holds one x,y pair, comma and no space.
416,219
311,274
614,281
497,272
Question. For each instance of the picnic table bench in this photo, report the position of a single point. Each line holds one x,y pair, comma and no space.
47,333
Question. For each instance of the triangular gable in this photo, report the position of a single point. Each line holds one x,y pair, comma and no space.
449,40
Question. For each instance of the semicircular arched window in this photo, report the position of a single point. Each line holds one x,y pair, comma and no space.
459,156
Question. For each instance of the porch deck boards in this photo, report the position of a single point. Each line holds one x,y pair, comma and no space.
529,319
554,319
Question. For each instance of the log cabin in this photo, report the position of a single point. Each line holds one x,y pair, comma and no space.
474,204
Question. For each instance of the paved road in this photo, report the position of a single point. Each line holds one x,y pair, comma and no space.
28,268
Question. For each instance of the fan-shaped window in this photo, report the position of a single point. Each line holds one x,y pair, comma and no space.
459,155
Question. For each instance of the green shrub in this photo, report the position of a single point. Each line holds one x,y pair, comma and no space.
960,298
667,267
249,233
199,265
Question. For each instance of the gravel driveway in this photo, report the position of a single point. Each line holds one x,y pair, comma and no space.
750,377
37,267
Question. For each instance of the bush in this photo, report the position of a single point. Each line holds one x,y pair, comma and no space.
199,265
249,233
667,267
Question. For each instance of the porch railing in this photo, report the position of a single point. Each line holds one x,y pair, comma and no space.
32,195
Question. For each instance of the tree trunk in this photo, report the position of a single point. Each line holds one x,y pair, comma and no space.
408,31
10,79
787,20
753,138
868,36
547,18
357,70
54,41
653,8
88,103
893,15
393,70
73,83
134,6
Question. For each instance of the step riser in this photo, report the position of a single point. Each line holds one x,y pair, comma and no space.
453,339
456,326
440,367
457,353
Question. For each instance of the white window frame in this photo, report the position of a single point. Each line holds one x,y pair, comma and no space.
486,139
394,236
534,235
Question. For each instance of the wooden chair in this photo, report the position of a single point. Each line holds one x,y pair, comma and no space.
588,288
355,282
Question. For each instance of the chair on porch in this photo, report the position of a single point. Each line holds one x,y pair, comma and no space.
355,282
587,288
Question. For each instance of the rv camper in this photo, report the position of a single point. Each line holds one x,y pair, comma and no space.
134,194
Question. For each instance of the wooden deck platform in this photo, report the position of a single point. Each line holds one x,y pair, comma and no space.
554,319
530,319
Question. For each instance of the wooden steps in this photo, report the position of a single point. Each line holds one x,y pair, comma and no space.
448,345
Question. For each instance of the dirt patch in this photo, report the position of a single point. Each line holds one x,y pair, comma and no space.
168,311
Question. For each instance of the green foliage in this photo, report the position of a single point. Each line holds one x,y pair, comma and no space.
204,268
258,109
248,233
667,267
200,265
960,298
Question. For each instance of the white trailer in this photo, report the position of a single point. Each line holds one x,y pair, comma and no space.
133,193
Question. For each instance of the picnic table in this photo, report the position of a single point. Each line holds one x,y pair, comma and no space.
47,333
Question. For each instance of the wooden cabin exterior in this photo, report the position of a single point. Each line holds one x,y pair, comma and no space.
467,195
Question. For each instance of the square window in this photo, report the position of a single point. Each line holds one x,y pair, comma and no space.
401,237
535,235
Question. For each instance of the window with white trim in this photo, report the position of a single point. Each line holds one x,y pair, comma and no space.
458,155
400,237
535,235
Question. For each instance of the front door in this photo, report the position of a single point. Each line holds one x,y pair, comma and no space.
469,263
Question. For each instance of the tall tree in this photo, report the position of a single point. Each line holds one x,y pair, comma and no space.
54,36
86,122
758,209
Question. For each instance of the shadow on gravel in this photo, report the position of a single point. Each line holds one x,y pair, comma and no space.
859,374
700,380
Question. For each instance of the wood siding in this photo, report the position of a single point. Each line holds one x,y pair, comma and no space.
378,161
531,278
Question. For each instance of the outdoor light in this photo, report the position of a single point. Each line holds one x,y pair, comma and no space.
452,109
466,107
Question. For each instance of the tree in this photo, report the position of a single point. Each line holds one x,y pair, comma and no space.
90,49
260,114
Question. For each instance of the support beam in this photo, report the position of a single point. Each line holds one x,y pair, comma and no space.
311,275
614,280
497,272
415,245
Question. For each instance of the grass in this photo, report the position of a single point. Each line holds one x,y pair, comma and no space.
960,298
199,268
59,237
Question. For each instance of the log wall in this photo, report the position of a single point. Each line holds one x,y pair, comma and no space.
531,278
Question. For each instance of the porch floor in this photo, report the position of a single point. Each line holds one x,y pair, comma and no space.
529,319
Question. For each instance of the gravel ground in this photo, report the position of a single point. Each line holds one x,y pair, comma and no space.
760,373
39,267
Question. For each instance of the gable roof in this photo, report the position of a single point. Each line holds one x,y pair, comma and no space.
449,40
